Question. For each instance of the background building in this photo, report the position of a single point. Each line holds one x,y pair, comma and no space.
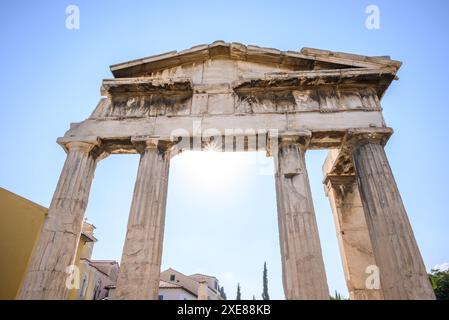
96,277
175,285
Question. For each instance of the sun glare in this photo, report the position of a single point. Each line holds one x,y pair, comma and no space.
212,169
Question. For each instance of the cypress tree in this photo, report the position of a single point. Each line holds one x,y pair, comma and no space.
239,294
265,295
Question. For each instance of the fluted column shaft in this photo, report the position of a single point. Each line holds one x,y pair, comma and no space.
56,246
303,272
142,252
353,238
402,271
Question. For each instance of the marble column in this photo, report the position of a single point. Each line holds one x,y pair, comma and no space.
303,272
142,252
402,271
353,238
56,247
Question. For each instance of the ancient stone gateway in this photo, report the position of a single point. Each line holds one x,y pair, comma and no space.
248,98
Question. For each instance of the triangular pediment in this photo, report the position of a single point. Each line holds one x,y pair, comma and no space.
307,59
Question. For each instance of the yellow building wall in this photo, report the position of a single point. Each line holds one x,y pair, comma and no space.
74,293
90,285
20,224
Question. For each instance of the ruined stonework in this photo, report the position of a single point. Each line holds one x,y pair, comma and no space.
244,98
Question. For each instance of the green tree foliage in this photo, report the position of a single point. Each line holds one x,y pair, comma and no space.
440,283
337,296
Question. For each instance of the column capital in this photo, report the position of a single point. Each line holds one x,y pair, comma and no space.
341,183
145,142
339,162
337,180
87,144
360,136
300,138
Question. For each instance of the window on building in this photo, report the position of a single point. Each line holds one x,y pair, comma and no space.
83,287
160,297
172,277
97,290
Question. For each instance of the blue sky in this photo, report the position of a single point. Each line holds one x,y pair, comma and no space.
51,77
